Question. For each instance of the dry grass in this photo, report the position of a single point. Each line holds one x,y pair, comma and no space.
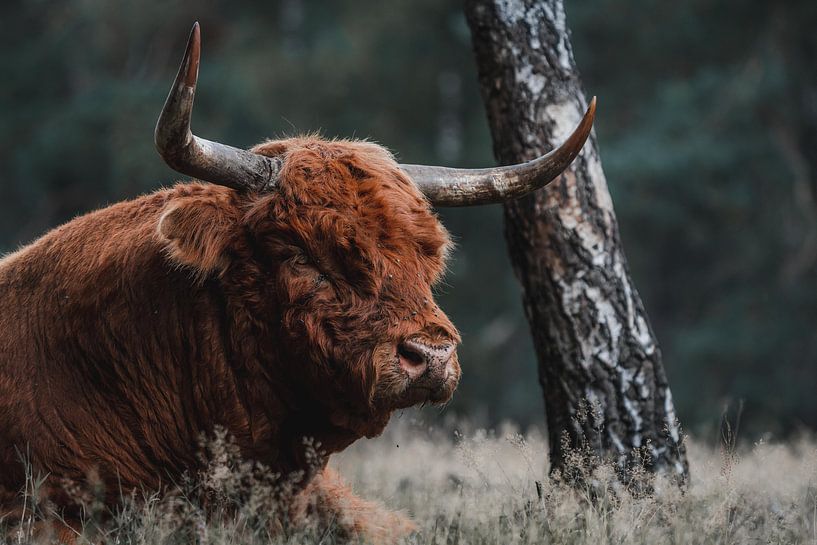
482,488
478,487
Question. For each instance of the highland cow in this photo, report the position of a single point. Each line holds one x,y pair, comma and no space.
286,295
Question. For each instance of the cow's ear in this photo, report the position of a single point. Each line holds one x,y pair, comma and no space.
199,230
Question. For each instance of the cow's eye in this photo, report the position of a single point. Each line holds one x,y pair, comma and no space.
299,259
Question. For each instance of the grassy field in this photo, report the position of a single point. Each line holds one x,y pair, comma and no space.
479,487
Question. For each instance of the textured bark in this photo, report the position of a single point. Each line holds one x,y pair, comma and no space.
599,363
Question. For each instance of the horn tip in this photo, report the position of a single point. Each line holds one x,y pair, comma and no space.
591,108
192,56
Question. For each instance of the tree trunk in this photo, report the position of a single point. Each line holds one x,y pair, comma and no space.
599,364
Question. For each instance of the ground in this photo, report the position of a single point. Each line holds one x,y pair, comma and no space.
464,485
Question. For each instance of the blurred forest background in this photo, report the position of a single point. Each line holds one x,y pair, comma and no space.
707,125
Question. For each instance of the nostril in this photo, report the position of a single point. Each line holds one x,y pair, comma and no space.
418,356
414,358
413,355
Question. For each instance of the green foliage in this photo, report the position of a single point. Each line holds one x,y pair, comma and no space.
699,139
698,127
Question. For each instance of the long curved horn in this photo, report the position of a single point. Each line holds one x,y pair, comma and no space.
200,158
466,187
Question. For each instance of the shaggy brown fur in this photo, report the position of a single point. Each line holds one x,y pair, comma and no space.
130,331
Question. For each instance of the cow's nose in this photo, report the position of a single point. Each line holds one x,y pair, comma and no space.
417,356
